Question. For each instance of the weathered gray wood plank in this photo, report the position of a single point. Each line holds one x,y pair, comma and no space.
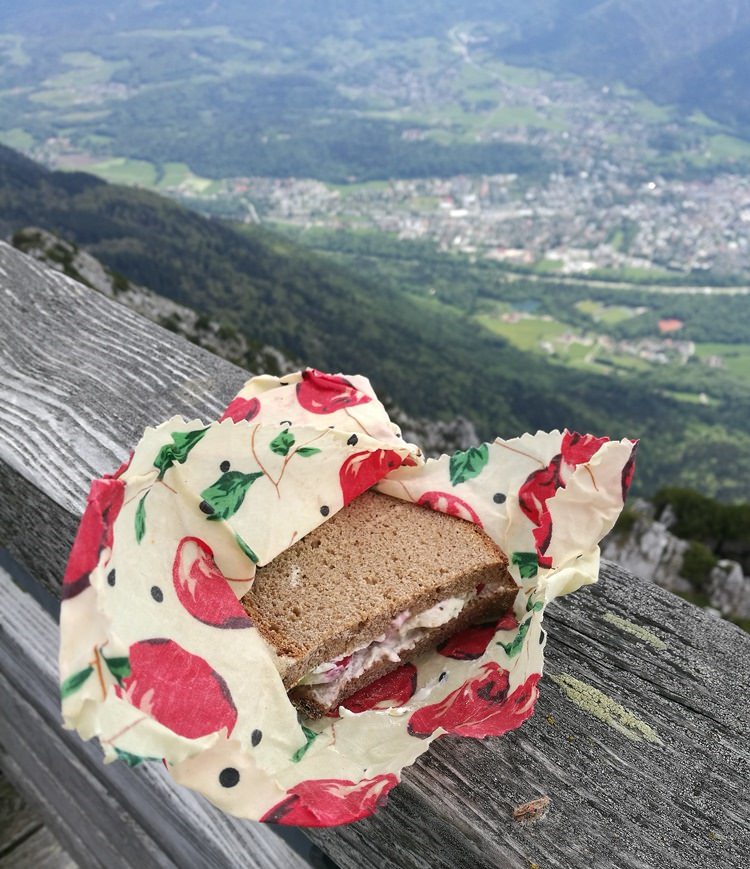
80,378
617,800
40,851
17,820
109,816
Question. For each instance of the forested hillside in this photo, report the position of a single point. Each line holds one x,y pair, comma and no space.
432,359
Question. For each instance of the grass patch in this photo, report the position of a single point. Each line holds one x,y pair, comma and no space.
87,69
122,170
547,266
521,116
690,397
526,333
607,314
736,357
625,361
363,188
651,112
17,138
180,175
79,118
528,76
722,147
631,273
702,120
574,354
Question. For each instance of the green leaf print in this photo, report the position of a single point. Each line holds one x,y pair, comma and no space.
305,452
74,682
527,563
282,443
140,519
131,759
534,605
516,644
224,498
118,667
465,464
246,549
310,736
178,450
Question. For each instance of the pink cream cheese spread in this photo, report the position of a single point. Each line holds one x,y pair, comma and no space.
404,633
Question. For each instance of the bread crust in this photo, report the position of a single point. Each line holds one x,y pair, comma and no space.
341,586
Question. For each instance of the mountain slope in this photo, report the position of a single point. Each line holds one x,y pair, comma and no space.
688,52
431,361
691,51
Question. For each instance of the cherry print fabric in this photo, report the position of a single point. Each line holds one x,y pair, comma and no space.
160,662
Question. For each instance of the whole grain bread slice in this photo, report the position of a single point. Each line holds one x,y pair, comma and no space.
341,585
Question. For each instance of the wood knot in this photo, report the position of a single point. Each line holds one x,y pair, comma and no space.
532,811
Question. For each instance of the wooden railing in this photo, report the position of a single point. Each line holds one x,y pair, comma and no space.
640,735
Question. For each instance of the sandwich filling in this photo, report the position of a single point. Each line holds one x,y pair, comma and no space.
325,681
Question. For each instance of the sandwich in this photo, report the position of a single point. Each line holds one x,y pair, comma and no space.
372,587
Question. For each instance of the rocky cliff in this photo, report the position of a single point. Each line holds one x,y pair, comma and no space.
644,544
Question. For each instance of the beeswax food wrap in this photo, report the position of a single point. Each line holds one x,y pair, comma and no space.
159,660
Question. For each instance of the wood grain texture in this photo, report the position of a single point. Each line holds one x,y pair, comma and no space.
665,787
18,820
616,801
109,816
40,851
80,379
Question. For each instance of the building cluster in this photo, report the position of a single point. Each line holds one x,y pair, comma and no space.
572,223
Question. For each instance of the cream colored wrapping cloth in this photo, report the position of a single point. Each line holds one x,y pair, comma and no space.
158,659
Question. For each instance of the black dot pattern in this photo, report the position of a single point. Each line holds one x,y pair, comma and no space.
255,737
498,498
111,578
206,508
229,777
157,594
353,440
224,466
324,511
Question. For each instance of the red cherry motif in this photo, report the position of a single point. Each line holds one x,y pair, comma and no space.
480,707
202,588
94,533
180,690
393,689
508,622
469,644
327,393
541,485
362,470
450,504
577,448
123,467
242,409
325,802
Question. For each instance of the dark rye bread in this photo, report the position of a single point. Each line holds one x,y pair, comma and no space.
341,585
475,612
